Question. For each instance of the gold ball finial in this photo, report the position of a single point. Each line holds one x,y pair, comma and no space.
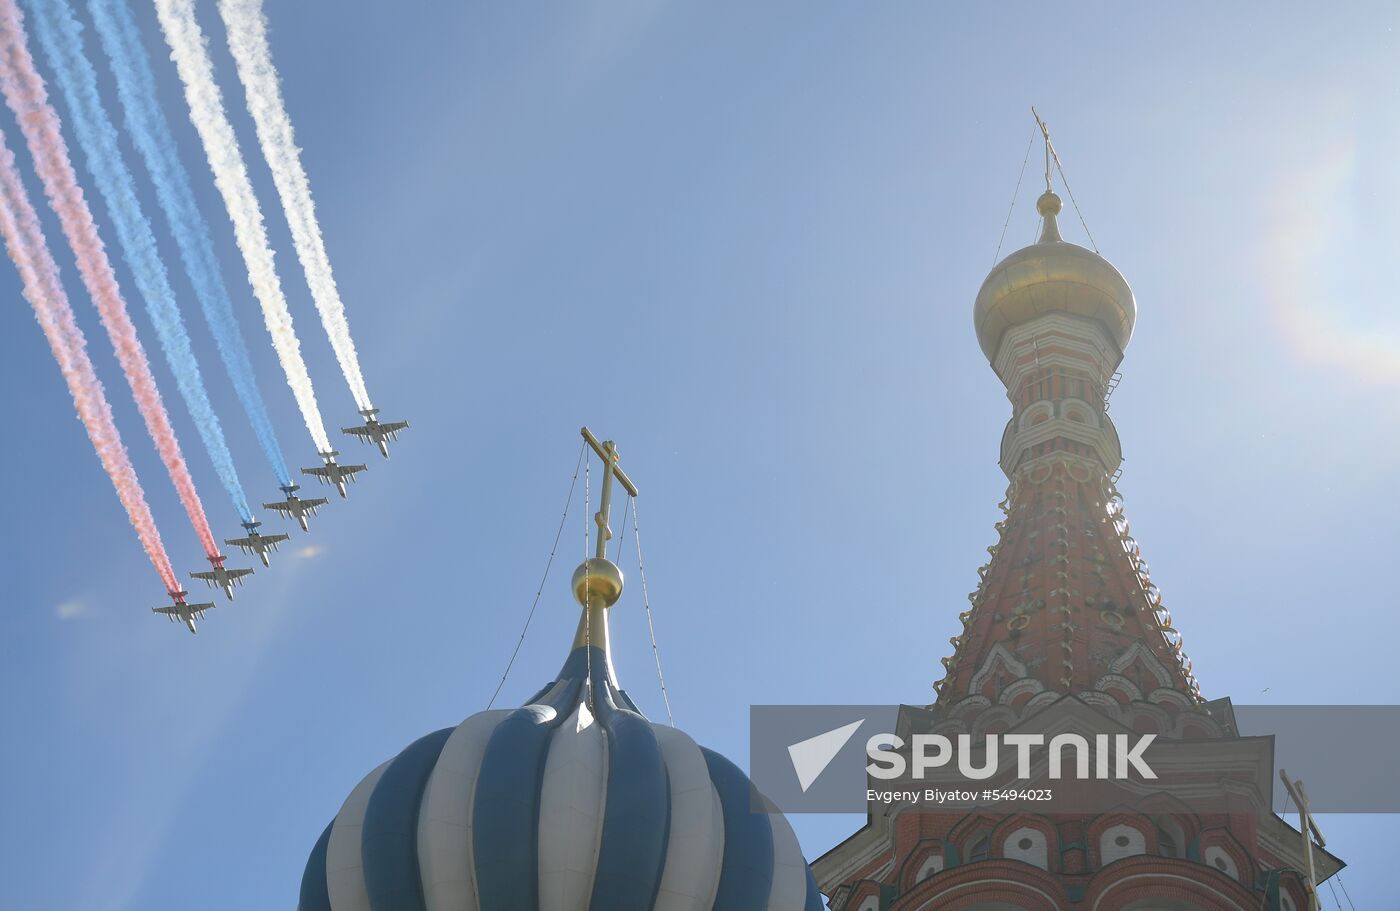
1048,204
597,577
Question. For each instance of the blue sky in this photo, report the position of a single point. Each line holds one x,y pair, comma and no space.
743,240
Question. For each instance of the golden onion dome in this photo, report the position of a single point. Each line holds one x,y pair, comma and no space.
1052,276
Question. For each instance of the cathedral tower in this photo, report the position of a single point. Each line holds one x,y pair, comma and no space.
1066,631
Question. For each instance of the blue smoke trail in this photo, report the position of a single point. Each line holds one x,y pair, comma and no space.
150,131
60,36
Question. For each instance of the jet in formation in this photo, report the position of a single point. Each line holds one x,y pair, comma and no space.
256,543
294,507
333,472
219,577
380,434
178,611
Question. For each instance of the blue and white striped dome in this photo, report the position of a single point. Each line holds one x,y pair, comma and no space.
573,802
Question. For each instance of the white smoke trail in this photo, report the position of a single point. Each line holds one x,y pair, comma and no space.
187,49
247,39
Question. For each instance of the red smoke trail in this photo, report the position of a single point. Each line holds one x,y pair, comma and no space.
23,89
25,240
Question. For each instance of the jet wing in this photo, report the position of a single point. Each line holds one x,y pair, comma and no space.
393,427
190,608
236,574
314,503
328,474
249,545
357,431
282,509
205,576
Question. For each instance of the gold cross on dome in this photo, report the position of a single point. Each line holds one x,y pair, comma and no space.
607,451
1050,155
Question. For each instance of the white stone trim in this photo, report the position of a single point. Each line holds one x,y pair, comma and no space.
1224,899
1118,680
1030,685
1101,436
1109,851
1150,661
999,653
1076,333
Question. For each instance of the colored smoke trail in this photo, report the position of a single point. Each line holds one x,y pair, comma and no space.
187,48
24,93
247,39
150,132
60,36
24,238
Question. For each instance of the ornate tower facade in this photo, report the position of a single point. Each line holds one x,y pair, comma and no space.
1066,631
1065,603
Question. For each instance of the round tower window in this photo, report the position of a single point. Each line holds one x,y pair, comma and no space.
1220,863
1024,844
1122,841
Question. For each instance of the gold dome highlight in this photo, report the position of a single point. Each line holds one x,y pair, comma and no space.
1052,276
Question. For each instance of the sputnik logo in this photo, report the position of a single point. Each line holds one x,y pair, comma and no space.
890,757
810,757
931,751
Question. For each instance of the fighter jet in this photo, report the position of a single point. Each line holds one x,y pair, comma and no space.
294,507
333,472
180,611
218,577
375,432
256,543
